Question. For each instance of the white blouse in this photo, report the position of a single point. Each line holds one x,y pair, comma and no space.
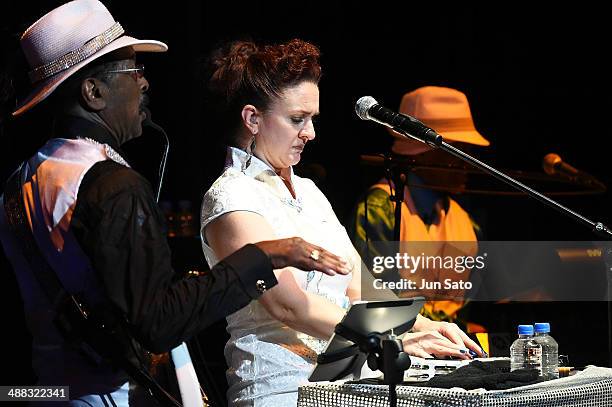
268,360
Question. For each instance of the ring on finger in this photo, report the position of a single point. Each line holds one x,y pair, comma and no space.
315,255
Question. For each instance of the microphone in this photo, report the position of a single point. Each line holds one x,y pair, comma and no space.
367,108
554,165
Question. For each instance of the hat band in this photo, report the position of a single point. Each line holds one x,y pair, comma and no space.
458,124
78,55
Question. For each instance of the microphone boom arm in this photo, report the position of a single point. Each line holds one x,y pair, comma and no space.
597,227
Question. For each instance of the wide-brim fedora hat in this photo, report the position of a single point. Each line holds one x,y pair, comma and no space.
66,39
445,110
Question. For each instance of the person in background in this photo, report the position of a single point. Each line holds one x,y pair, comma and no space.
428,215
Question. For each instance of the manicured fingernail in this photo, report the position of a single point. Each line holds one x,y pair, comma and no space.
463,350
331,272
473,354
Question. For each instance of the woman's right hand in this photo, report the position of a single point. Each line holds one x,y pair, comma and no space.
431,343
296,252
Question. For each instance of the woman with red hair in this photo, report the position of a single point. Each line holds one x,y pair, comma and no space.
268,98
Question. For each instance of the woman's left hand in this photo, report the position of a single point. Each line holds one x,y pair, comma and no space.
450,331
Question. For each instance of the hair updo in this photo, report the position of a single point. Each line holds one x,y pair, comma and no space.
245,73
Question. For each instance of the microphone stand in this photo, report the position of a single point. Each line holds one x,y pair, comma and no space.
398,180
597,227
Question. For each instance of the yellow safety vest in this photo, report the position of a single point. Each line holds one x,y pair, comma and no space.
453,225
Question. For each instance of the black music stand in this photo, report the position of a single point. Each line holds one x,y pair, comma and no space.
367,332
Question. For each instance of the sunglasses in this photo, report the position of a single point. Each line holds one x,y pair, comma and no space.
136,73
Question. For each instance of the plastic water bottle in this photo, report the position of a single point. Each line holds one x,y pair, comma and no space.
550,351
525,352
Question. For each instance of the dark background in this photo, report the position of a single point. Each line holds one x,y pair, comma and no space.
536,78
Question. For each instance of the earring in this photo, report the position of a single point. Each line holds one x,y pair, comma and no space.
250,153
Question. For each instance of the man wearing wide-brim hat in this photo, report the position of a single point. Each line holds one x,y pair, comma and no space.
80,222
428,215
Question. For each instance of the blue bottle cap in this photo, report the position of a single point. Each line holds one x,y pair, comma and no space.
542,327
525,329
